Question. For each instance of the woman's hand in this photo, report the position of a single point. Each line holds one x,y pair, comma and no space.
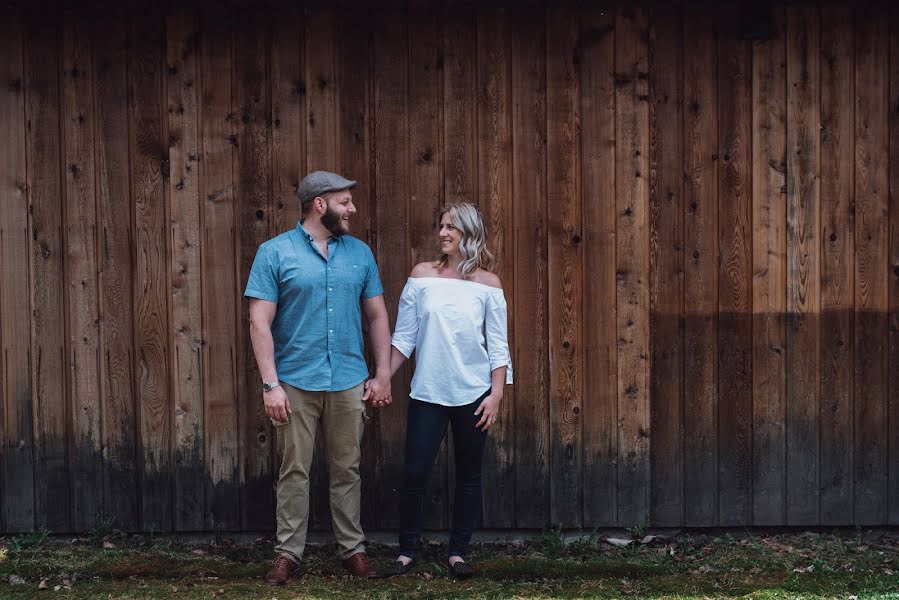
489,411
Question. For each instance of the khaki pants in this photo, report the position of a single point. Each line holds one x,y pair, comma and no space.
341,417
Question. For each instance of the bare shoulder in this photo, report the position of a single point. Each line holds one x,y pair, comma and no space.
423,269
487,278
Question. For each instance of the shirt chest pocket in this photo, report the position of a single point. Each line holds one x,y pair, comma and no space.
348,277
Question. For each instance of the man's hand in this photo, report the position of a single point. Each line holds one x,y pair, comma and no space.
377,391
277,406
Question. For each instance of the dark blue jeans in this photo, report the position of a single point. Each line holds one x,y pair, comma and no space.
425,427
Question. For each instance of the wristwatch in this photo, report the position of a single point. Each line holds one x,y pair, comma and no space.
268,386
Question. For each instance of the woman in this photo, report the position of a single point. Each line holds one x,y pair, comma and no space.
452,311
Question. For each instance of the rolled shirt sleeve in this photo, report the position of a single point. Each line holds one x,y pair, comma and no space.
406,333
373,285
263,280
496,333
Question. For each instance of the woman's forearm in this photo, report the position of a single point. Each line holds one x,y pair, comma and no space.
396,360
498,381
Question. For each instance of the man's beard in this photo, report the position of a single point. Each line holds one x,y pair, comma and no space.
332,222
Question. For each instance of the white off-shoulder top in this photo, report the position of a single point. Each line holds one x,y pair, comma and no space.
459,329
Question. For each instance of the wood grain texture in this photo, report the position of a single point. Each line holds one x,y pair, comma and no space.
565,264
530,320
289,92
666,260
321,154
735,273
355,143
52,501
83,318
16,421
893,266
497,206
459,102
600,406
871,251
426,189
218,141
252,214
391,198
182,50
149,171
837,263
769,275
117,349
700,270
632,263
803,337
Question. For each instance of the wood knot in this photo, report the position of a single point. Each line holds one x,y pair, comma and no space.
576,410
575,238
260,214
696,254
833,237
566,344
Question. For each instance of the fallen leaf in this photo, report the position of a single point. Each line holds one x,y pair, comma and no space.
427,575
56,588
887,571
66,581
648,539
108,545
199,552
808,569
16,580
620,542
42,585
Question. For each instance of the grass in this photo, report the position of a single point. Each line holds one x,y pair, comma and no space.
806,565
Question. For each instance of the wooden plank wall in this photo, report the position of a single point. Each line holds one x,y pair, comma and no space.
691,208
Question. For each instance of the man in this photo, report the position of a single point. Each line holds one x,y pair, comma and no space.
304,290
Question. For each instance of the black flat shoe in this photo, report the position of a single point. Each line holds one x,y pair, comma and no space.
395,569
461,570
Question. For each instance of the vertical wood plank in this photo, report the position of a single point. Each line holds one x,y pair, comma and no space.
837,263
425,166
81,272
735,272
355,140
700,269
769,272
632,263
321,98
182,37
666,259
120,479
390,147
149,167
459,98
321,154
218,138
17,464
565,265
253,193
530,274
496,201
600,406
893,367
871,252
803,264
48,327
289,91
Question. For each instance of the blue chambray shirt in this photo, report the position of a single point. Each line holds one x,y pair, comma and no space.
317,328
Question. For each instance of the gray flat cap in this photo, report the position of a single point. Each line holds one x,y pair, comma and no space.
317,183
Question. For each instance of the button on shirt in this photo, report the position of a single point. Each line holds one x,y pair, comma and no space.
317,330
459,330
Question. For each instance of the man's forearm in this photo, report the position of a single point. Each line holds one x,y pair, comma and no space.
380,341
264,351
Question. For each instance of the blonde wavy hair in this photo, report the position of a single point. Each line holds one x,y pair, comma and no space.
467,219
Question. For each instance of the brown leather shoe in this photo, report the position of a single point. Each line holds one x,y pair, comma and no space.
358,565
281,571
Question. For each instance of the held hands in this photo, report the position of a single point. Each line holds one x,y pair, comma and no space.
277,406
377,392
489,411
